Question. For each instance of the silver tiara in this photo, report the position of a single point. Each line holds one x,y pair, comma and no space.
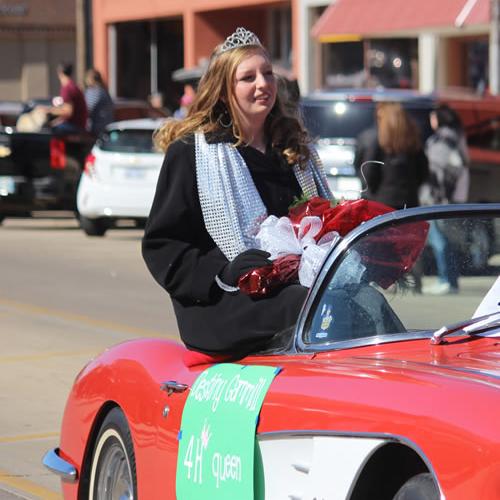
240,38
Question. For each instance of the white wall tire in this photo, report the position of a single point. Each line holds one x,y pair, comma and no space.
112,473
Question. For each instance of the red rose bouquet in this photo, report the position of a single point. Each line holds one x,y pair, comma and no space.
299,243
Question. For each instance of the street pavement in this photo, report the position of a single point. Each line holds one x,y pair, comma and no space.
64,297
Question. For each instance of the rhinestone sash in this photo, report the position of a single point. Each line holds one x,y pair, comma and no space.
230,203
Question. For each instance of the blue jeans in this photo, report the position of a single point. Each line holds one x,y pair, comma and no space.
444,254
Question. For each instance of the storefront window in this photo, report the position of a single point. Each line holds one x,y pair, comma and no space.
477,67
133,59
390,62
170,58
371,63
343,63
134,71
280,36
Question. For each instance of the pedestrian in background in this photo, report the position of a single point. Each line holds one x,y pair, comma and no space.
158,108
99,103
396,163
71,115
237,157
186,101
448,182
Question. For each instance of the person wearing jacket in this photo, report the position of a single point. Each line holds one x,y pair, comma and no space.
390,158
448,182
237,157
99,103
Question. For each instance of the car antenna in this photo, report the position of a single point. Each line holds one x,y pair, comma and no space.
363,174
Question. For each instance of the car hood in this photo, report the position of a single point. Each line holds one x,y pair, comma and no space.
469,359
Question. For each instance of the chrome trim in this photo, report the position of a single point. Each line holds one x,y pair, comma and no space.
379,222
59,466
172,386
363,435
367,341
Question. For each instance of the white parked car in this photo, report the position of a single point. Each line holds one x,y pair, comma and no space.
119,177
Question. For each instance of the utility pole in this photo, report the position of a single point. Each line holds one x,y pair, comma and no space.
494,57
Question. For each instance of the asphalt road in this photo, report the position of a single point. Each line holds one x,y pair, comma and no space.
64,297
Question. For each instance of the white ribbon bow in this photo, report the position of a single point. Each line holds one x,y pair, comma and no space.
277,236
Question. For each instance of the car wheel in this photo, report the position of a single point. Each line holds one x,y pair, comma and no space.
93,227
112,473
2,217
419,487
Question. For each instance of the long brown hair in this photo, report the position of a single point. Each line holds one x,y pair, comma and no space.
214,110
397,131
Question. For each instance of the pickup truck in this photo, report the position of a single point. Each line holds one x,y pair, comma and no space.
41,170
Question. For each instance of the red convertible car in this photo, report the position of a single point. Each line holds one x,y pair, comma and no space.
385,388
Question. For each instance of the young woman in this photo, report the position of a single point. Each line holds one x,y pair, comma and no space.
235,159
401,166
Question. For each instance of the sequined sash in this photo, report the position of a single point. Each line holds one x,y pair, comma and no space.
230,203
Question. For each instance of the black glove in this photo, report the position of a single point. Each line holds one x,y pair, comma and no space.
242,263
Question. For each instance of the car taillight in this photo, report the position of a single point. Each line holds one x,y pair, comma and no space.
89,165
57,154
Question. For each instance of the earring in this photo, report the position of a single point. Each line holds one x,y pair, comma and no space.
221,123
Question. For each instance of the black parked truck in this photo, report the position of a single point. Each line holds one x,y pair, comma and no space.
40,171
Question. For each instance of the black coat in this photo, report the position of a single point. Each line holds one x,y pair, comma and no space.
395,183
184,259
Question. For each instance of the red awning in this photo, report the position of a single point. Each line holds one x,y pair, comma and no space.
352,19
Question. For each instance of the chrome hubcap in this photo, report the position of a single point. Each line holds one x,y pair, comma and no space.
115,481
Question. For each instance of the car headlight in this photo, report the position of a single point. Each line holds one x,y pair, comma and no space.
347,187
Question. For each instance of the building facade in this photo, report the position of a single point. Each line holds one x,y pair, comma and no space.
34,36
138,45
424,44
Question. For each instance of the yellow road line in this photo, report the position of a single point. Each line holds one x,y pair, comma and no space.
79,318
48,355
27,437
28,487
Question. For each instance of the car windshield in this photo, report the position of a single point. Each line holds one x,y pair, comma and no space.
128,141
409,279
